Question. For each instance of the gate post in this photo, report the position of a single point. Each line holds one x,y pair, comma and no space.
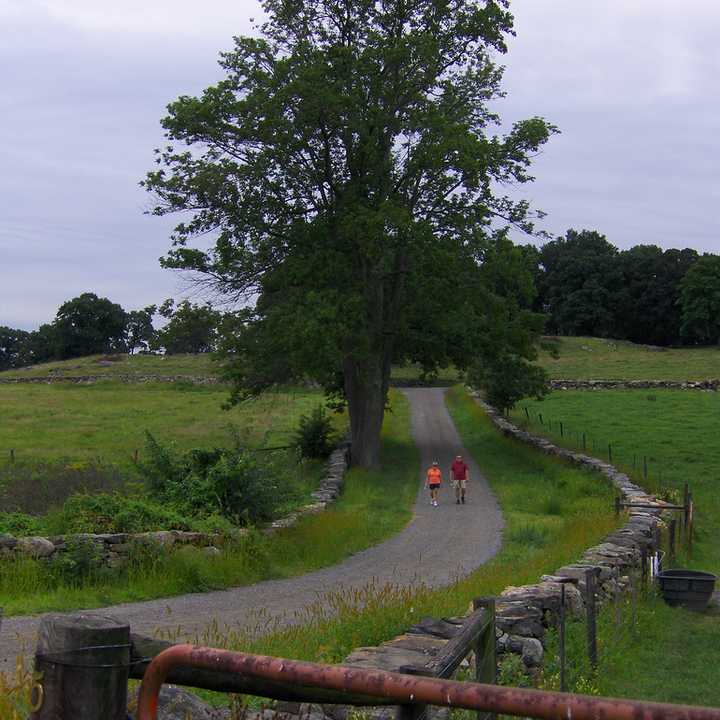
84,660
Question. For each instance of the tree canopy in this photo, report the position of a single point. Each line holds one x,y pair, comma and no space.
700,301
347,167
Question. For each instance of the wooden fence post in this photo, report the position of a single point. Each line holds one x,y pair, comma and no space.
84,660
591,575
671,538
486,651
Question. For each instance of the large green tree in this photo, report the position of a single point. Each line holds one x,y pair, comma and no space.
579,282
348,169
87,325
13,347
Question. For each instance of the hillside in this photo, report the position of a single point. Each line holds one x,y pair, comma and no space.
587,358
113,365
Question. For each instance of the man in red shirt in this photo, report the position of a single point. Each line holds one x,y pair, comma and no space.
460,475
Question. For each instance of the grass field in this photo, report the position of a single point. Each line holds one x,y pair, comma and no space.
374,505
108,420
582,358
666,654
123,364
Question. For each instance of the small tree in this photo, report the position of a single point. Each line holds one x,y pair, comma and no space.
190,328
140,331
508,378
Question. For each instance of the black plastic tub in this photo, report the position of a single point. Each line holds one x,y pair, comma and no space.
691,589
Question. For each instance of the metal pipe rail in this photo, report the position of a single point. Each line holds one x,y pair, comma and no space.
408,690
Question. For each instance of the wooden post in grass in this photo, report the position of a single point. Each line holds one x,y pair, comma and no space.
12,455
561,429
671,538
686,506
609,452
584,442
84,660
486,651
540,418
591,575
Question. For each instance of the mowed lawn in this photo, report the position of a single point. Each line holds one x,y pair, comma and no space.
108,420
667,655
599,359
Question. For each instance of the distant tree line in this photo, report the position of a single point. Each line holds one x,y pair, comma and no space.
91,325
586,286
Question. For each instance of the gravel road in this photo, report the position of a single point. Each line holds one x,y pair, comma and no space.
438,545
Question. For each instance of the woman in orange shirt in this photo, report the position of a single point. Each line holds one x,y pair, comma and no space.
432,481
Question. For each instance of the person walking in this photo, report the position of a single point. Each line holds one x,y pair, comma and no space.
432,482
460,474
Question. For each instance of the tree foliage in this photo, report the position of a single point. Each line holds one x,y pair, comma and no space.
347,166
88,325
13,347
700,301
190,329
139,330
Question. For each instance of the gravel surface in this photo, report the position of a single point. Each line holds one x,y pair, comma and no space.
438,545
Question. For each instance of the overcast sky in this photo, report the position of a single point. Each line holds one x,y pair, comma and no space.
632,84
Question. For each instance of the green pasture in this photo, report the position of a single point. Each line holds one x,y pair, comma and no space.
658,653
121,364
587,358
108,420
675,430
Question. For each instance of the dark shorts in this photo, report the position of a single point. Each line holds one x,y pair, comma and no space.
434,486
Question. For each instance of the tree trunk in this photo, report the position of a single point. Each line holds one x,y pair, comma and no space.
366,385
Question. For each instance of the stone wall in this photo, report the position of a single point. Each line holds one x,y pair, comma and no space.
711,384
115,548
92,379
525,613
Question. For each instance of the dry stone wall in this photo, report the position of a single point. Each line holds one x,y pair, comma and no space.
711,385
92,379
115,548
525,613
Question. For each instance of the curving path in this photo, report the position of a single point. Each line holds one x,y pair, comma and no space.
437,546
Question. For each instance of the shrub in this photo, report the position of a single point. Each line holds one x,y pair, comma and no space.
315,437
19,524
81,559
228,482
507,379
110,513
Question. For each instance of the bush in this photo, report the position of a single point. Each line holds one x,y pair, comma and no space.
507,379
227,482
81,559
315,437
112,513
19,524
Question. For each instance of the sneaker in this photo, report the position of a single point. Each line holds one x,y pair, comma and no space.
436,503
457,502
463,500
